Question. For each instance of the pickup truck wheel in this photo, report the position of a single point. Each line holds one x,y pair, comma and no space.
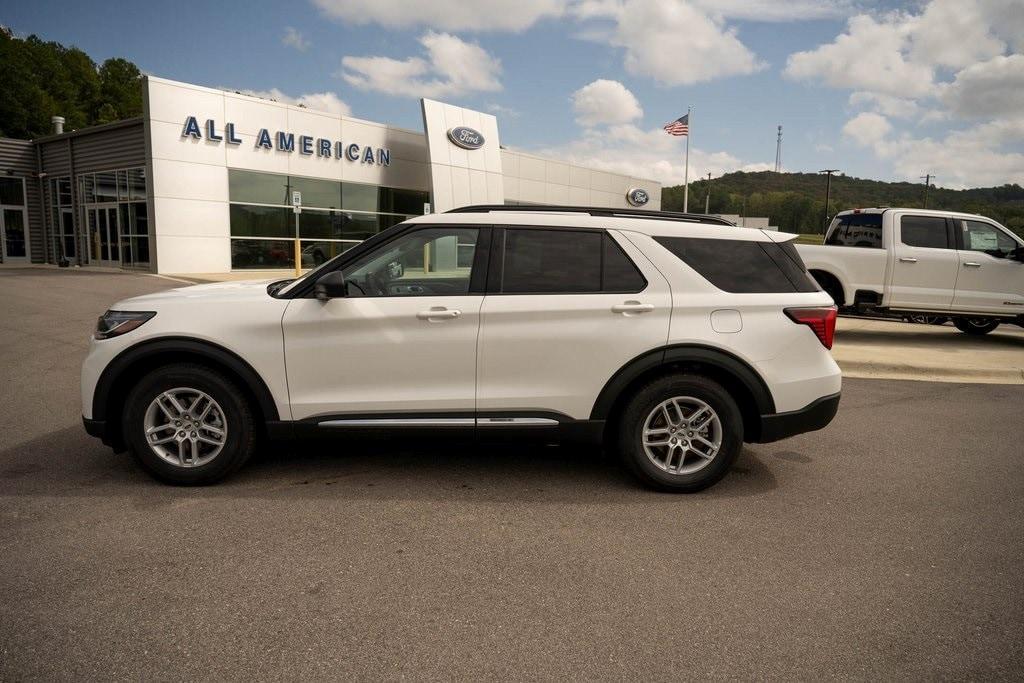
680,433
187,424
977,326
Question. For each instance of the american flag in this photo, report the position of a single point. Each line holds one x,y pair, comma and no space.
680,126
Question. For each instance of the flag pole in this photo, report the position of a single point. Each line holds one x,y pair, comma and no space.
686,172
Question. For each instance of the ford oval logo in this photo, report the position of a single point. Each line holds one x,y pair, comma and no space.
638,196
466,138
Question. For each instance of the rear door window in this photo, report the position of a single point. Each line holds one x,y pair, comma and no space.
742,266
856,230
925,231
540,261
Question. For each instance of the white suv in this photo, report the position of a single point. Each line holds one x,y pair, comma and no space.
670,338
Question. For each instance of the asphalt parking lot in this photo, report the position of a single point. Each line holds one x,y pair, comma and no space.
887,546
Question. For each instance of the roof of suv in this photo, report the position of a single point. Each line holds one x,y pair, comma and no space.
666,223
925,212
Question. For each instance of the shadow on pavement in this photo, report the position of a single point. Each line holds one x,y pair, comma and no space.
958,341
67,463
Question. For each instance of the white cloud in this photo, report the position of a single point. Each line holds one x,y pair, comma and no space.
646,153
675,43
502,110
293,38
452,67
988,89
448,15
318,101
952,33
605,102
870,56
774,10
867,128
889,105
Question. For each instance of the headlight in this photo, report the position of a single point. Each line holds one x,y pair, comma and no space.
116,323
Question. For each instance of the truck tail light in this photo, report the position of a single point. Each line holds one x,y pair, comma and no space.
821,320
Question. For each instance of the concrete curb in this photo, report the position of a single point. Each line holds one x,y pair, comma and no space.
875,370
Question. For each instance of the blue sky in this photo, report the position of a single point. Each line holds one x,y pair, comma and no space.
882,90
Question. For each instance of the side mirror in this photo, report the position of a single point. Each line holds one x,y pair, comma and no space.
1018,254
331,286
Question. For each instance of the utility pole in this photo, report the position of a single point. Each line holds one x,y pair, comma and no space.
707,196
828,191
927,178
778,151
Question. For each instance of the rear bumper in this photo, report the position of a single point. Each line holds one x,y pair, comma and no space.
811,417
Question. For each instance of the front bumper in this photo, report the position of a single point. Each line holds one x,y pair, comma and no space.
811,417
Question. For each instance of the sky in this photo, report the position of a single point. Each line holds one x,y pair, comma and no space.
877,88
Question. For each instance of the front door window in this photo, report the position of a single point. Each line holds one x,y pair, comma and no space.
429,262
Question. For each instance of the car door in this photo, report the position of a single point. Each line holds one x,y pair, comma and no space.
402,343
924,263
990,280
566,308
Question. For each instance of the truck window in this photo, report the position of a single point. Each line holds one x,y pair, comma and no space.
924,231
988,238
856,230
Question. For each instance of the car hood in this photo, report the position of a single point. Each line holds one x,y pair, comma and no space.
214,292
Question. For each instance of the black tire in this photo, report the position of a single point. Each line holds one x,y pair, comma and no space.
629,435
976,326
239,442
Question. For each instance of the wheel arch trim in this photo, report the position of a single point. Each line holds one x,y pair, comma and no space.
197,348
682,353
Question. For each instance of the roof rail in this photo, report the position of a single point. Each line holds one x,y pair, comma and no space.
596,211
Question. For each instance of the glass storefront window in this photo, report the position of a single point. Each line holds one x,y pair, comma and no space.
261,221
106,187
258,188
355,197
64,191
122,186
324,194
262,254
12,192
136,183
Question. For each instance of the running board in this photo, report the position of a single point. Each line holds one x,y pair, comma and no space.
441,422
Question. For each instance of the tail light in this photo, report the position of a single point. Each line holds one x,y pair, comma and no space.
822,320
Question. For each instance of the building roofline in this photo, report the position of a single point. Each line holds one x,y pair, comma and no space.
102,128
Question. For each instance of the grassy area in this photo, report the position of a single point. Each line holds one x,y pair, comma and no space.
809,239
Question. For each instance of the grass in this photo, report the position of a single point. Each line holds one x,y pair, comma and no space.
809,239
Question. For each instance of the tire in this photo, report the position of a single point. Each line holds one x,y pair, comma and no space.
694,471
976,326
174,461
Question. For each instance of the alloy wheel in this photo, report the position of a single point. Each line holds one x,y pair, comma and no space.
682,435
185,427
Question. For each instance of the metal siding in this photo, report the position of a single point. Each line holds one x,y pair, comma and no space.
119,148
18,158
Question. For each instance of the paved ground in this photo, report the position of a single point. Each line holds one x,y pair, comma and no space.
887,546
892,349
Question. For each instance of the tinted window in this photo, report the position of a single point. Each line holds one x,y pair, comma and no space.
856,230
741,266
551,261
924,231
619,274
426,262
988,238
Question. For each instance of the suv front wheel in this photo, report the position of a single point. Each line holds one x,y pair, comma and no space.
188,424
680,433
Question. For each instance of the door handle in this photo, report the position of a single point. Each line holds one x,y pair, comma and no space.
971,264
438,313
632,307
908,259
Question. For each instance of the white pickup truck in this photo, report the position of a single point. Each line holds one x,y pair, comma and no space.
962,266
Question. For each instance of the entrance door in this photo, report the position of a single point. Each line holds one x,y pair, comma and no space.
104,236
15,237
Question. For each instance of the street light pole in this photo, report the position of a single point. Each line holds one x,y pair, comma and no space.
828,191
707,196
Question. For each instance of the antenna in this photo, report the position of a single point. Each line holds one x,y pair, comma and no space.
778,151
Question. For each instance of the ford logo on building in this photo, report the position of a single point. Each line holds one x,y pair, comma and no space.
637,197
466,138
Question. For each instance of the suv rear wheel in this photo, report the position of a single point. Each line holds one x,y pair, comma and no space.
188,424
680,433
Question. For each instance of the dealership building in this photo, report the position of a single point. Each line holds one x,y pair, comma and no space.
208,181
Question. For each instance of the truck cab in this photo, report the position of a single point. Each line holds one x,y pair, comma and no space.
964,266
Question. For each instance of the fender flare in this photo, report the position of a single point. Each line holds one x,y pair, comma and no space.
682,353
170,346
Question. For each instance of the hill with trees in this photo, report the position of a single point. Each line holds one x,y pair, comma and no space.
41,79
796,201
